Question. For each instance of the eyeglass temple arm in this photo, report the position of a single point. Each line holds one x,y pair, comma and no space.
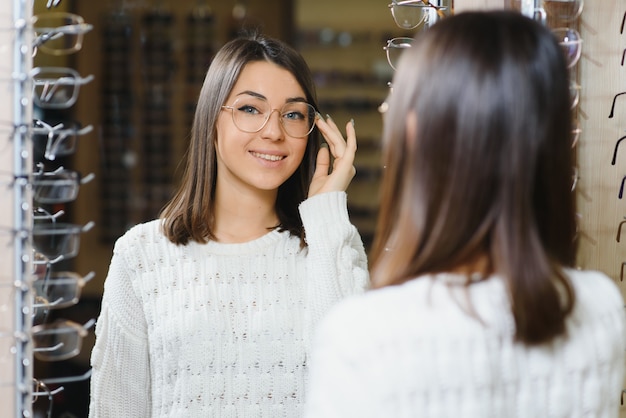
45,349
48,215
614,159
49,392
68,379
52,3
619,229
613,105
440,13
88,277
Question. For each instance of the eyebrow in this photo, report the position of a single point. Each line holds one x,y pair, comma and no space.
260,96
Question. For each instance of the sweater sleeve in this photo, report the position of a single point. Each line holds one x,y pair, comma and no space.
336,260
120,381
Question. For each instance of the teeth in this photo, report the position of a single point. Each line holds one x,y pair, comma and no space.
268,156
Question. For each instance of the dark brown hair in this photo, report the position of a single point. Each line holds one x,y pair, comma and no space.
489,168
189,215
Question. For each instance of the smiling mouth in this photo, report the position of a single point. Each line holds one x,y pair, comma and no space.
267,157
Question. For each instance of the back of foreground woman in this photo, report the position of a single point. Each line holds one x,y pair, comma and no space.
477,310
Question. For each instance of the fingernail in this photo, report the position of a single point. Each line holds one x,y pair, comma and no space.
352,122
328,116
318,115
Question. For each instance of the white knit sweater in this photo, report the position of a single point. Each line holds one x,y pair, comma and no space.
220,330
412,351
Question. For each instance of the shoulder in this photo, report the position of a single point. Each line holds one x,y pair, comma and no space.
145,240
591,286
143,233
376,313
596,294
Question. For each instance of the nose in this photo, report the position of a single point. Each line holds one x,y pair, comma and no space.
272,129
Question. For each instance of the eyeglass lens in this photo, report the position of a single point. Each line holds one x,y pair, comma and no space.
394,49
56,188
59,33
56,87
58,340
571,44
56,239
61,289
411,14
250,114
563,10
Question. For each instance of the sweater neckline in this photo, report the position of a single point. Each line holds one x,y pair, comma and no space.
256,244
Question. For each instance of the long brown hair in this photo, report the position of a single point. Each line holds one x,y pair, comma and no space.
189,215
489,167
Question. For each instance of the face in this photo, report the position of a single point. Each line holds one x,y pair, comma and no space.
265,159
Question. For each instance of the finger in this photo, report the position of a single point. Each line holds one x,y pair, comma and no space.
351,135
332,135
322,164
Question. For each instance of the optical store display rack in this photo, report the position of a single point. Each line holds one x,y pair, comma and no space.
36,244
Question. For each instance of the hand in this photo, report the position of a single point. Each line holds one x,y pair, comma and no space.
343,151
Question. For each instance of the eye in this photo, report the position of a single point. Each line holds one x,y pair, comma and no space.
293,115
249,109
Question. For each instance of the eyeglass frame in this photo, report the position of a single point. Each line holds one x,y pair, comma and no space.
233,109
66,278
73,79
73,180
614,159
406,44
561,17
412,3
44,34
57,134
614,100
58,327
567,44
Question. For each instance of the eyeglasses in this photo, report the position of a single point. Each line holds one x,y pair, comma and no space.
59,33
614,159
55,33
56,240
394,49
571,44
409,14
576,131
619,229
52,3
574,90
58,140
40,389
250,114
563,10
58,186
61,289
615,98
56,87
59,340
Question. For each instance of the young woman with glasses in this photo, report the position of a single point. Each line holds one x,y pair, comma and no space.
477,309
209,310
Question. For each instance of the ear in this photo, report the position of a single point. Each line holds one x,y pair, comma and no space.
410,127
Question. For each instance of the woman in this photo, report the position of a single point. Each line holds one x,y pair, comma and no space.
209,310
477,310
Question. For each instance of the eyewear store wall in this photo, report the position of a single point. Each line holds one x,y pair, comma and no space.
112,93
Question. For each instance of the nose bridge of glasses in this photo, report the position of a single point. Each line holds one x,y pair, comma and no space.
271,112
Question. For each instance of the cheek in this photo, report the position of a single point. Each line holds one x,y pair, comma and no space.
299,151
